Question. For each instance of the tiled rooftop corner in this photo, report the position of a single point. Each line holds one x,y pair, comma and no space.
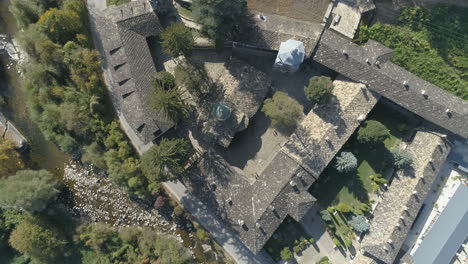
401,202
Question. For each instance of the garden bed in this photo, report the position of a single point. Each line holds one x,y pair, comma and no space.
288,235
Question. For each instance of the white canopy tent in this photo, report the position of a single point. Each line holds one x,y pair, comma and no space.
290,56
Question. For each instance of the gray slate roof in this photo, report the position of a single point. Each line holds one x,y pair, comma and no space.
402,201
370,65
281,189
124,31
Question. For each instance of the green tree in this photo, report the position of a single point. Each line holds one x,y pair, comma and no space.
40,241
401,158
170,251
319,89
170,102
29,190
283,110
372,132
346,162
26,11
177,40
9,218
162,161
359,223
10,160
220,19
60,25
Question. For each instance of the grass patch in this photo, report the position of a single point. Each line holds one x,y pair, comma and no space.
353,189
430,43
287,234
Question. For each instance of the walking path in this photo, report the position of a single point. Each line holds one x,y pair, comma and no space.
323,246
226,238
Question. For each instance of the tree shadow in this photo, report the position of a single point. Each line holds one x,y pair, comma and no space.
246,144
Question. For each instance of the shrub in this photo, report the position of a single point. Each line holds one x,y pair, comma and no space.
178,211
202,235
372,132
177,40
297,249
286,254
359,223
348,242
344,208
319,89
160,202
325,215
337,242
346,162
323,260
401,158
283,110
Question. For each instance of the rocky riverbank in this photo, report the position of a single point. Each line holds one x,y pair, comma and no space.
100,200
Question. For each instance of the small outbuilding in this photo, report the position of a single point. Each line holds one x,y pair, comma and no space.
290,56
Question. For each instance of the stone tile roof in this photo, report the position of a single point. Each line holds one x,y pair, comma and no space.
370,65
268,33
310,11
124,31
244,89
281,189
403,199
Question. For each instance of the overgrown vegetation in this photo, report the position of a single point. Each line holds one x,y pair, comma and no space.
430,43
67,97
10,160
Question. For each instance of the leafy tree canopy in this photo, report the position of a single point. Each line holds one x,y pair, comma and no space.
346,162
402,158
359,223
318,89
372,132
283,110
61,25
29,190
161,161
169,101
220,19
10,160
40,241
177,40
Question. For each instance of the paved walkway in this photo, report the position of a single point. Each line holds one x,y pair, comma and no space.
323,246
228,240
